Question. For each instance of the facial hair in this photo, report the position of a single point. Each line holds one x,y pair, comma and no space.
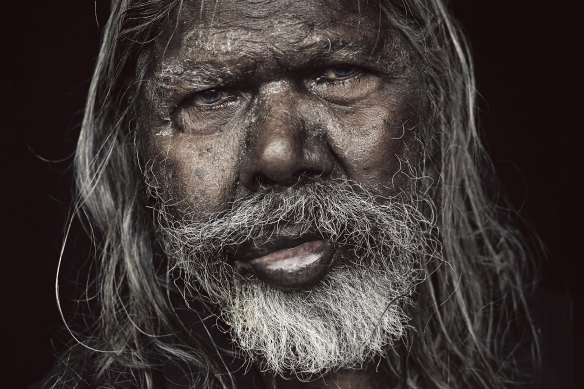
357,311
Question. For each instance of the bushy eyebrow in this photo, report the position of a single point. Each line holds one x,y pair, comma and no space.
233,68
201,75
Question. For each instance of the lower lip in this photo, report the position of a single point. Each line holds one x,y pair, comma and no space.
294,268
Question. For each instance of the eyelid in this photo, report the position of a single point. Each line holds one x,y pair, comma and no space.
200,97
188,102
322,78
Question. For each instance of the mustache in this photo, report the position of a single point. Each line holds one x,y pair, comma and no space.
340,210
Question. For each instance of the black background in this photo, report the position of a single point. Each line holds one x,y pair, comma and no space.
524,53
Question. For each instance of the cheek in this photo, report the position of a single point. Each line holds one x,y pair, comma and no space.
374,143
193,173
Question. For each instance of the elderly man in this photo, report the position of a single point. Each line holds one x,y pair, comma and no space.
290,194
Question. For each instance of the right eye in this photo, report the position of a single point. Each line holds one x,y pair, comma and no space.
208,111
209,98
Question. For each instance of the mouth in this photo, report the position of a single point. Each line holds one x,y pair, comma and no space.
288,263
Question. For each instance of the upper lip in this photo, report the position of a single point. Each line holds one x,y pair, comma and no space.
252,249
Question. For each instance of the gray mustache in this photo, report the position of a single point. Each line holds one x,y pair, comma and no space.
340,210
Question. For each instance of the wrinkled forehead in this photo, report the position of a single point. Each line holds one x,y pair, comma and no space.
282,31
220,11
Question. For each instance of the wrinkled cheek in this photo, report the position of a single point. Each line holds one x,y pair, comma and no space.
193,175
376,150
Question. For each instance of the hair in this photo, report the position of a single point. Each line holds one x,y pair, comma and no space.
470,315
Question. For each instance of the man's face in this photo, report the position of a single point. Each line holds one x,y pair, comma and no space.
269,131
250,93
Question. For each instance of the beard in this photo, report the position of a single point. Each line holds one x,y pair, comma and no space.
356,312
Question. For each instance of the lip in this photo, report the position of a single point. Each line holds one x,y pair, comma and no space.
287,263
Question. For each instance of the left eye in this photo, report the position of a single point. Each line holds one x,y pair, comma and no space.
209,97
335,73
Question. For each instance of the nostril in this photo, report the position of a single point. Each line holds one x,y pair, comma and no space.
260,180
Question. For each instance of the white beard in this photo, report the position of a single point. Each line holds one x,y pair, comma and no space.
355,313
341,322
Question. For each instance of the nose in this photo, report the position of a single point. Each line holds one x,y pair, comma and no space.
285,144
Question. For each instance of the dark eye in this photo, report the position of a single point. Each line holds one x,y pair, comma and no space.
342,72
209,97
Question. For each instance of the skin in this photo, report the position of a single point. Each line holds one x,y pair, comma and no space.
247,93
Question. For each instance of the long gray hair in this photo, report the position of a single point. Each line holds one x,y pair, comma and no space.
468,312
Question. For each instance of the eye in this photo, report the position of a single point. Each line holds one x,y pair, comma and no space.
208,110
344,84
210,97
338,73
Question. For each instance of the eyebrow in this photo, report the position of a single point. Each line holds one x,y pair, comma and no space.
233,68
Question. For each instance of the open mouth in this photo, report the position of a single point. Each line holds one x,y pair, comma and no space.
287,262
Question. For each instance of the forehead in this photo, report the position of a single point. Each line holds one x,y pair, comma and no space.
289,33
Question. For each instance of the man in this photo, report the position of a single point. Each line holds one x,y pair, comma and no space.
290,194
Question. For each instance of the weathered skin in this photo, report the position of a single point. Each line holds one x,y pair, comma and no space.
280,116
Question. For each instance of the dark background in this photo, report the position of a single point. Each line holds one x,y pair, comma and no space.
524,55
